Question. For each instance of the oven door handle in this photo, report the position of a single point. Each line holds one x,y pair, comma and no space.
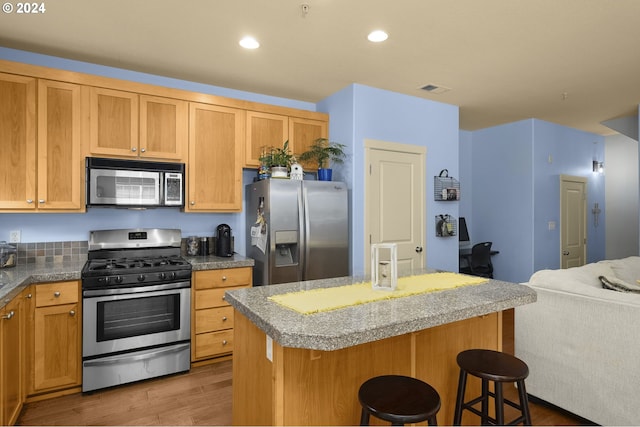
134,290
114,360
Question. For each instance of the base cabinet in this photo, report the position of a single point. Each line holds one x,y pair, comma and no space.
11,361
212,316
295,386
56,337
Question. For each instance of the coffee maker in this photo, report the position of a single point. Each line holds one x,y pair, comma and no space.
224,241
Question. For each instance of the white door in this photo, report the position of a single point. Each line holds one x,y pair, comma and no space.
395,200
573,221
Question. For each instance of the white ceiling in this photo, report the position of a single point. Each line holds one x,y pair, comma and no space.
571,62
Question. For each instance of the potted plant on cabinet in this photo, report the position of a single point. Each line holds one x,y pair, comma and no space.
278,160
322,151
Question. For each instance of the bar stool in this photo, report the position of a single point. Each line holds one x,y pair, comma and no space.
489,365
398,399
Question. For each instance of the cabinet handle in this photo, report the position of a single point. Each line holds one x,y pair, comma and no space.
224,278
224,342
29,201
192,203
224,319
41,201
9,315
72,313
134,149
143,150
29,296
56,294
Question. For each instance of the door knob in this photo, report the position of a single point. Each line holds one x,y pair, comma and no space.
565,252
418,249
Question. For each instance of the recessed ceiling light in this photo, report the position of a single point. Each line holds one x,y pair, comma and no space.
249,43
377,36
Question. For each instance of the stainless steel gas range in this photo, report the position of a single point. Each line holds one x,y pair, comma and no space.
136,297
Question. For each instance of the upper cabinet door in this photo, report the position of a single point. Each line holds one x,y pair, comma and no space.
216,139
60,159
163,128
302,133
17,142
264,130
113,123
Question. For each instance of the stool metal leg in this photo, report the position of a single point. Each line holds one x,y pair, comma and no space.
499,401
524,403
364,417
485,403
462,384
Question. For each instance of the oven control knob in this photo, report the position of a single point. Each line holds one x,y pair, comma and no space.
163,275
141,278
118,279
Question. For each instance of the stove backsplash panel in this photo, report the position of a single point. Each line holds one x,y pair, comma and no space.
41,252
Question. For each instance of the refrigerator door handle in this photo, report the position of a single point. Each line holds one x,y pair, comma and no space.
304,232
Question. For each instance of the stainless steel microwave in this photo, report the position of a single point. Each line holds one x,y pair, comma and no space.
134,183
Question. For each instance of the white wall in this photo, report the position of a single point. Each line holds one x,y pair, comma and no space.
621,190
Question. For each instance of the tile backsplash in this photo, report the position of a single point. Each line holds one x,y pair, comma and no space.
35,253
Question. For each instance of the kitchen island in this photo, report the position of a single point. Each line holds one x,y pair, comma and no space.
296,369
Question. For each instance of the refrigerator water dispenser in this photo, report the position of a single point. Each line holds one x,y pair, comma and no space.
286,247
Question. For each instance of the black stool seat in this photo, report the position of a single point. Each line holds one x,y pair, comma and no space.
498,367
399,400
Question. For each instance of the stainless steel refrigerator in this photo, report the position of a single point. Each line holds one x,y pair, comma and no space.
297,230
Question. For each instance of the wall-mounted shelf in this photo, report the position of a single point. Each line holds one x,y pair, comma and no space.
446,226
445,188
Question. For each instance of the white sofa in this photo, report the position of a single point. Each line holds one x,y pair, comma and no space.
582,342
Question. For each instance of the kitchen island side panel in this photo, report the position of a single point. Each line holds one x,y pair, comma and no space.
314,387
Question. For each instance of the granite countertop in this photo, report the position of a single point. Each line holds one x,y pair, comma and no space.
14,280
363,323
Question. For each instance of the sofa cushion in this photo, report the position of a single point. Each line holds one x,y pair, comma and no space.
615,284
626,269
574,279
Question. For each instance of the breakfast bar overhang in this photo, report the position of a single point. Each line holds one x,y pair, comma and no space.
306,369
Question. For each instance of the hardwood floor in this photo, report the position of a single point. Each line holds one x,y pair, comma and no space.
200,397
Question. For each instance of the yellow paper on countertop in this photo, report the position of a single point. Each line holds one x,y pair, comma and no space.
327,299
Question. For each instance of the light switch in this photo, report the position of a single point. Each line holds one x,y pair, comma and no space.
552,225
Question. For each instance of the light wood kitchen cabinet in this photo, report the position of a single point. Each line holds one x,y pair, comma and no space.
125,124
266,130
11,361
263,130
163,128
57,362
214,172
212,316
17,142
45,173
303,132
60,155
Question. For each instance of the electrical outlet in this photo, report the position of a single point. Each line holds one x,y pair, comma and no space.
14,236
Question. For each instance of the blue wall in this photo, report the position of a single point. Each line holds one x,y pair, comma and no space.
516,192
360,112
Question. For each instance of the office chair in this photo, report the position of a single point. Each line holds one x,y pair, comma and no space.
480,261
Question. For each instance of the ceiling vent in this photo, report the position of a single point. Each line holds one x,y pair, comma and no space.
431,88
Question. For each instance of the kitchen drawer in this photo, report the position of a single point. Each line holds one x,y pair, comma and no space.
214,319
228,277
213,343
57,293
210,298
